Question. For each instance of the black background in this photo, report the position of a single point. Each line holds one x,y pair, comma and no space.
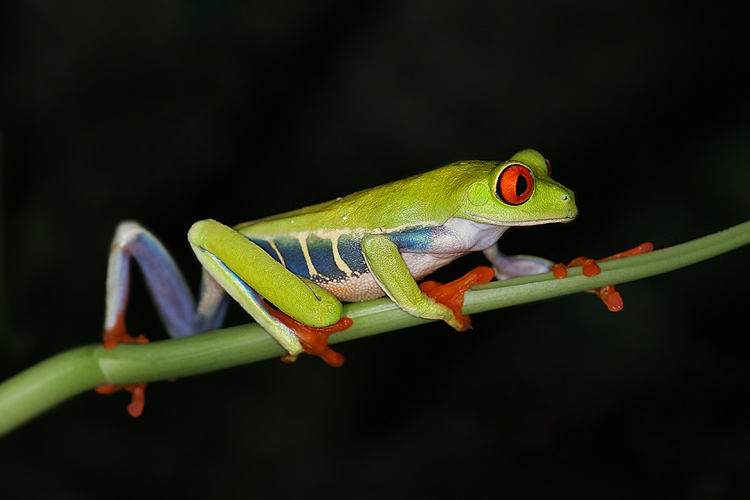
170,112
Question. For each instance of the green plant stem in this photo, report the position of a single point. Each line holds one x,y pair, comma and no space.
60,377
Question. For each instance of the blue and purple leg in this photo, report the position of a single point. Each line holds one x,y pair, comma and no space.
174,302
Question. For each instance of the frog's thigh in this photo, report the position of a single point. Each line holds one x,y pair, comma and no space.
245,270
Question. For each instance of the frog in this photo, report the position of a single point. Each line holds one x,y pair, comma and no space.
291,272
371,243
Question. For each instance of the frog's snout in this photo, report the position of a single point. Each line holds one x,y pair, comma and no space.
569,200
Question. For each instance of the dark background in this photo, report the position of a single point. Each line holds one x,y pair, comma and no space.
169,112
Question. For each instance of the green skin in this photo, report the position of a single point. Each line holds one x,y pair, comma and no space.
459,202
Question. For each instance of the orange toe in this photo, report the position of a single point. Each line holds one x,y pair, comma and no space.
119,335
137,395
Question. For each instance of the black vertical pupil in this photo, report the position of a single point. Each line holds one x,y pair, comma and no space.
521,185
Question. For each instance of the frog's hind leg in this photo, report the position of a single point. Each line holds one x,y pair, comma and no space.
249,274
174,301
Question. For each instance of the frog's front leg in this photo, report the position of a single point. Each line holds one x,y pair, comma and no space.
524,265
430,300
249,274
513,266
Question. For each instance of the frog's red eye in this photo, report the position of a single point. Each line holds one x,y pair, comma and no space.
549,167
515,185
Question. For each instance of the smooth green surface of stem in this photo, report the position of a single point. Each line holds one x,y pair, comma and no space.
60,377
47,383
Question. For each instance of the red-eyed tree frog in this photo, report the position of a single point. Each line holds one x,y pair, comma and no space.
371,243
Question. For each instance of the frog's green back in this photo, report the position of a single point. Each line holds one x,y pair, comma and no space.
427,199
515,192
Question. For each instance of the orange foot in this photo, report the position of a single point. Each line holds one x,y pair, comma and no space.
137,395
314,340
452,294
119,335
590,268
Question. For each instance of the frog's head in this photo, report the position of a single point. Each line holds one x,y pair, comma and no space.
517,192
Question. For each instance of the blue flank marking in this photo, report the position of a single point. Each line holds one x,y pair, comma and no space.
349,247
294,259
290,250
321,253
350,251
419,240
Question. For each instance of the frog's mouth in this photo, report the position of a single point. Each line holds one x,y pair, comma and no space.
536,222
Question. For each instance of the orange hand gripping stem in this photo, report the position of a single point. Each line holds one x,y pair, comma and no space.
452,294
607,293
